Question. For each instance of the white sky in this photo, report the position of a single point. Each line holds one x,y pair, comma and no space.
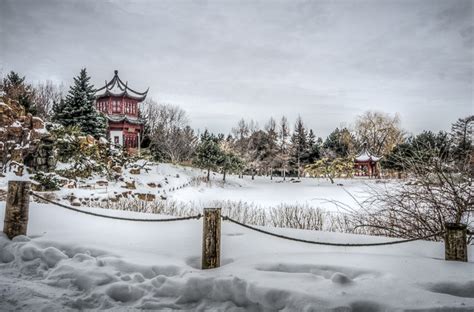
328,61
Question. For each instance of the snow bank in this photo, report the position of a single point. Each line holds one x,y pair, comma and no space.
75,261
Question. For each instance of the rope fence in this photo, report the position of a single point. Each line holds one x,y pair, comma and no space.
17,210
113,217
250,227
225,218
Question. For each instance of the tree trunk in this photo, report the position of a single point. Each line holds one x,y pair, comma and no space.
271,173
223,176
331,179
298,167
208,174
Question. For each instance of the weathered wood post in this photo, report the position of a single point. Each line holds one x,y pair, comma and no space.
455,242
211,238
16,211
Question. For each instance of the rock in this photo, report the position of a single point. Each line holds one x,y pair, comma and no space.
135,171
130,185
102,183
146,197
71,185
37,123
151,184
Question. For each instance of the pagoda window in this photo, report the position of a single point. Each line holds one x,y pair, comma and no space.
115,106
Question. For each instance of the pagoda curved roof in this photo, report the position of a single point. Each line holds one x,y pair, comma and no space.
124,118
366,156
116,87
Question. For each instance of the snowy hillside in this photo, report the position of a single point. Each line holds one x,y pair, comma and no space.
75,261
182,184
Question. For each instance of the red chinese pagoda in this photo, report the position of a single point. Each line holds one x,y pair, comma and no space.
119,103
366,164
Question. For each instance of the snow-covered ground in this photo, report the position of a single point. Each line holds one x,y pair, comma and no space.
75,261
171,181
264,192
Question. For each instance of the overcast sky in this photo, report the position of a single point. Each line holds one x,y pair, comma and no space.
328,61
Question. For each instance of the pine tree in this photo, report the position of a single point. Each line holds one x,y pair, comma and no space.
208,153
340,142
313,152
271,145
229,162
78,108
283,155
461,134
17,89
299,144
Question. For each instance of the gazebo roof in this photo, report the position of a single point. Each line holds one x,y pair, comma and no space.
116,87
366,156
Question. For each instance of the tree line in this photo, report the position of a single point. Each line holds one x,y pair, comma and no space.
276,149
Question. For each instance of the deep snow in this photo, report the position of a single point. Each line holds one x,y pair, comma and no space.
75,261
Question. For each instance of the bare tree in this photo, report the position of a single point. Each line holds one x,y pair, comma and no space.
47,93
171,138
438,191
379,132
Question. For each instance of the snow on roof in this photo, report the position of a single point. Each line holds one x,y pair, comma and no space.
114,118
365,156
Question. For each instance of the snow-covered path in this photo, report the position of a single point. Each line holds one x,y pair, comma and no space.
75,261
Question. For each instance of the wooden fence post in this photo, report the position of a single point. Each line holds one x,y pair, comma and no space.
211,238
455,242
16,211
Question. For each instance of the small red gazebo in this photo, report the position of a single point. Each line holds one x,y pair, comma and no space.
119,103
366,164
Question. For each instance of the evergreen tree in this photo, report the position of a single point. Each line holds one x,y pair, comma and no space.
78,108
283,155
230,162
313,152
16,89
299,144
271,159
208,153
422,147
258,153
340,142
397,157
461,134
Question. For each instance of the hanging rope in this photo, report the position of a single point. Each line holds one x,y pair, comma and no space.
113,217
225,218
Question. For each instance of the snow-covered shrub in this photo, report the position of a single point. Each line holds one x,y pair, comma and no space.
48,181
438,191
284,215
86,155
